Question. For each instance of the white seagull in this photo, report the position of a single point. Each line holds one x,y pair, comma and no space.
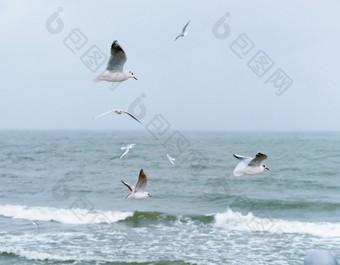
250,166
138,191
114,70
118,111
36,224
126,149
184,33
171,159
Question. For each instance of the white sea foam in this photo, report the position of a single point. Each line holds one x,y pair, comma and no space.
249,222
67,216
78,257
35,255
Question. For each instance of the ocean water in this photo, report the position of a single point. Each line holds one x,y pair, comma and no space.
62,200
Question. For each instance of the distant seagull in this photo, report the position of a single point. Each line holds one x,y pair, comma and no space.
118,111
36,224
250,166
114,70
138,191
171,159
184,33
126,149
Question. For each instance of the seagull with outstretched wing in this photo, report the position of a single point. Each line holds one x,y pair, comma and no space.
184,32
171,159
118,111
138,191
115,67
36,224
250,166
126,149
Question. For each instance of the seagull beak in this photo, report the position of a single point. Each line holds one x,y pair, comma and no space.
135,77
266,168
149,195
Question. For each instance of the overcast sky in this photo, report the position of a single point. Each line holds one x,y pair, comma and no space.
210,80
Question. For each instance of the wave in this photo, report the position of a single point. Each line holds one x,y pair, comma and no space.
66,216
249,222
228,220
144,218
246,203
83,216
74,259
35,255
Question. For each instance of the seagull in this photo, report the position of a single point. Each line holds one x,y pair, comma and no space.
118,111
171,159
250,166
126,149
138,191
114,70
36,224
184,33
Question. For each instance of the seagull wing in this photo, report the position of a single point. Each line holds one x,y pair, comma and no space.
180,35
131,188
244,159
36,224
171,159
104,114
117,59
142,181
257,161
128,113
239,170
125,152
185,27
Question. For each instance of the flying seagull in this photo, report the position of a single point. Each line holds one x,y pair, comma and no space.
36,224
171,159
250,166
126,149
138,191
184,33
118,111
114,71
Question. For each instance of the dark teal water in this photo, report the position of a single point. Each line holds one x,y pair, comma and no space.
68,183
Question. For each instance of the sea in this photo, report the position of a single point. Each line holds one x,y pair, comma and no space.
62,200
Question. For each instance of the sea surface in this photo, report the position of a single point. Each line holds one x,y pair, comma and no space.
62,200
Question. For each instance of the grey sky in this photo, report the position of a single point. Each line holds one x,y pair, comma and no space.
196,83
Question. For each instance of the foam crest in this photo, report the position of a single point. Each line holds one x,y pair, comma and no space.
35,255
249,222
67,216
